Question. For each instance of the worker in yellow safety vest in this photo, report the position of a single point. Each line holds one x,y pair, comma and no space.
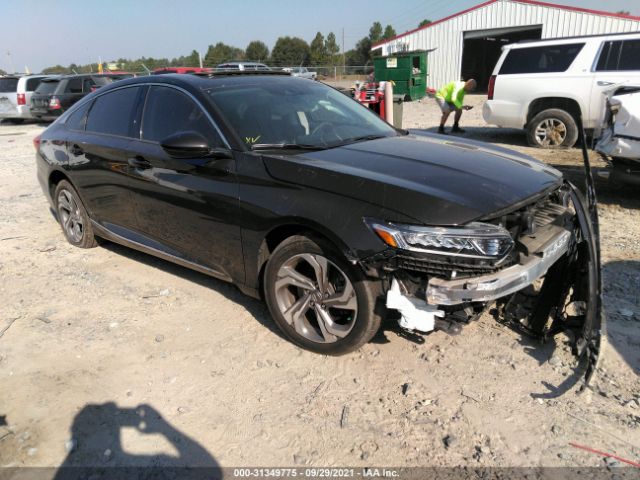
450,98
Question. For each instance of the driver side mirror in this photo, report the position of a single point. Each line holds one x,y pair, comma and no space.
191,144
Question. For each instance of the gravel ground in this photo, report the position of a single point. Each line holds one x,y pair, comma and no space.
94,342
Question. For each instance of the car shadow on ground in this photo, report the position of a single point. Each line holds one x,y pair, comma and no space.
98,446
256,308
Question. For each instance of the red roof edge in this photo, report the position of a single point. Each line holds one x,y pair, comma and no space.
530,2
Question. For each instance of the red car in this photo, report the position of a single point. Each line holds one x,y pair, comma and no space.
160,71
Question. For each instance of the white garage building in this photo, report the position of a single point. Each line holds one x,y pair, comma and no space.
468,44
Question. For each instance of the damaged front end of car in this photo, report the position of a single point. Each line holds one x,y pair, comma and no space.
537,263
618,141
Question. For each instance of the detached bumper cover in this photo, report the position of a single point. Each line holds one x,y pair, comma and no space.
495,285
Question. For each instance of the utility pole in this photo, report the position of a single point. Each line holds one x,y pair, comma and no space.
10,62
344,61
200,58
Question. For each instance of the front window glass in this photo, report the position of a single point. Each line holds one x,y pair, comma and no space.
285,110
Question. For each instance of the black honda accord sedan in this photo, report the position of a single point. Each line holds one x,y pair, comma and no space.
300,195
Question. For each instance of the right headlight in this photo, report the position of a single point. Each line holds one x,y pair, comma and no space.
478,240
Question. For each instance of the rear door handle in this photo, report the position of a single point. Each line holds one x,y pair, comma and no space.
139,162
602,83
76,150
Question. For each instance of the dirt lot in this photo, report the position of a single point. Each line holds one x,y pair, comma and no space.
88,336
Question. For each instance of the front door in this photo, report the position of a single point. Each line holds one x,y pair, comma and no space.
188,205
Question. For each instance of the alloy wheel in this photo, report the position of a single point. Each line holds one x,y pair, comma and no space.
550,132
70,216
316,298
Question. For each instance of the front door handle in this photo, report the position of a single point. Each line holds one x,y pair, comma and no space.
602,83
139,162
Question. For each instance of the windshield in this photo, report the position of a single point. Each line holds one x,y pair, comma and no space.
47,86
291,111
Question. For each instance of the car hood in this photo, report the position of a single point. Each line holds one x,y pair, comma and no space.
429,178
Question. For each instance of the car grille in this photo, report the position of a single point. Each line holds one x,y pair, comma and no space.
446,266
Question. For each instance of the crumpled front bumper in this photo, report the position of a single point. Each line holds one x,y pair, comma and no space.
495,285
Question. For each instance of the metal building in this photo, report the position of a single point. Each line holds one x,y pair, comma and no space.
468,43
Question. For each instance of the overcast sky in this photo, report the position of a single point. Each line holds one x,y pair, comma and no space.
44,33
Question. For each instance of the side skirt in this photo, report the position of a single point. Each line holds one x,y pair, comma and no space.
146,245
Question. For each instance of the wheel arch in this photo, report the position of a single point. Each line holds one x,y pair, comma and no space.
55,177
290,227
569,105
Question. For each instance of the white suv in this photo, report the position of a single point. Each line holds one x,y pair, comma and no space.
15,96
543,86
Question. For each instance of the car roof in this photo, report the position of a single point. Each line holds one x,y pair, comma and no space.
577,39
199,81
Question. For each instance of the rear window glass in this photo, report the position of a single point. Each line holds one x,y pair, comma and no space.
546,59
620,55
8,84
74,85
76,120
112,113
47,86
32,84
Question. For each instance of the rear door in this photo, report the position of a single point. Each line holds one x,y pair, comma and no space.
188,205
98,156
8,96
618,62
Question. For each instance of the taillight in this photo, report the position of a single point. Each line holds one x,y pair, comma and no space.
54,103
492,86
36,143
22,100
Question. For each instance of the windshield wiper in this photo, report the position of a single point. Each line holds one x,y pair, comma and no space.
286,146
362,138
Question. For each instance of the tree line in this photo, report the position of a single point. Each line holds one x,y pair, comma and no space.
287,51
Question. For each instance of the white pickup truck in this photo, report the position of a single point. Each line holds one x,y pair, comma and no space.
544,86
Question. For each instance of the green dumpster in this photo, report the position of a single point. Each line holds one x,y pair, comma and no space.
408,71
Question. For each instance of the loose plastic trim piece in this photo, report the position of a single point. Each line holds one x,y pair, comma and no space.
415,313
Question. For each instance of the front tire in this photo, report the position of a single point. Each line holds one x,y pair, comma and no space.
73,217
552,128
318,300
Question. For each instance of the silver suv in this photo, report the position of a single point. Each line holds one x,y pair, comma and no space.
15,95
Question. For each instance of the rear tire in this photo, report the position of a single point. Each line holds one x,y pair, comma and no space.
552,128
320,301
73,217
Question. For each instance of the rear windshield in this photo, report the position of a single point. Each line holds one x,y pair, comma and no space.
8,84
546,59
47,86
